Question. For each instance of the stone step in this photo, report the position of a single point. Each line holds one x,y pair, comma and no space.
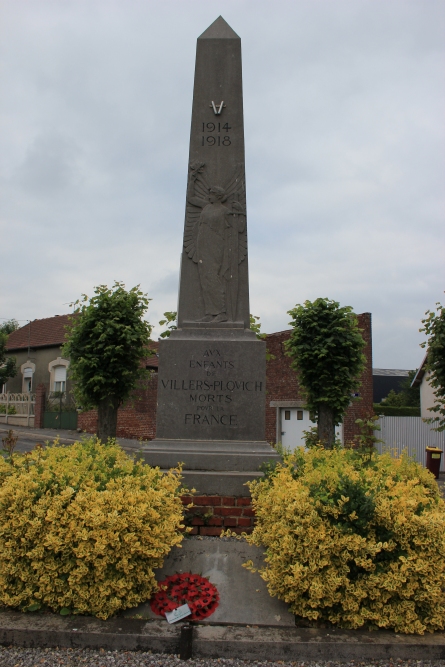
219,483
244,598
208,455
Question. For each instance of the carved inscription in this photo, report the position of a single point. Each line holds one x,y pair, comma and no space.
212,363
207,385
215,134
211,398
210,420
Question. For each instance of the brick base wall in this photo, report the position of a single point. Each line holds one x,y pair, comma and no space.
39,407
360,409
212,514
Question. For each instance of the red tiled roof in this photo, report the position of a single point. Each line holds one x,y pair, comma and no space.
51,331
39,333
153,360
278,333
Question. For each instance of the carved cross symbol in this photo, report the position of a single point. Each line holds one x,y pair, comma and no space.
217,110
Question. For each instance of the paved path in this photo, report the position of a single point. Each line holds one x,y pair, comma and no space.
29,437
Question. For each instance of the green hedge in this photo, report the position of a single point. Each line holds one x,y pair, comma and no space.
353,539
395,411
83,528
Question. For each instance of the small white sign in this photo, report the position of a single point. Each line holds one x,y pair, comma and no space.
178,613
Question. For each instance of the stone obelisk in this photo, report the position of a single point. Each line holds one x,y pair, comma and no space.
212,369
214,278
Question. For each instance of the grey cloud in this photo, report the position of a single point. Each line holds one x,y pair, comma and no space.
344,140
49,166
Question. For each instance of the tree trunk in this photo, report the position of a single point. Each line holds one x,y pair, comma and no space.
107,418
326,426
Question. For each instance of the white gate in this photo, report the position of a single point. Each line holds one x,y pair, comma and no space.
17,409
410,434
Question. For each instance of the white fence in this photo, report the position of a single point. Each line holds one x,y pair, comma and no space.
410,434
17,409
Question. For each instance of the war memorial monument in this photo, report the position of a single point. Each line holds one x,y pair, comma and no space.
212,369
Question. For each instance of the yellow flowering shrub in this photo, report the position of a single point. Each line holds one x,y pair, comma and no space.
353,540
82,527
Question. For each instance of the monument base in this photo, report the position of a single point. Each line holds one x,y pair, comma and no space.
212,467
211,409
208,455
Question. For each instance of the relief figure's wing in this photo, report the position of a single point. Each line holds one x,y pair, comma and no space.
201,188
236,191
197,199
242,245
236,183
192,214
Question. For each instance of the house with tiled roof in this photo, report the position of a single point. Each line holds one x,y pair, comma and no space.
37,348
286,415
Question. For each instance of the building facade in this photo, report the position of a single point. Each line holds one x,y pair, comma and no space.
286,418
37,348
427,397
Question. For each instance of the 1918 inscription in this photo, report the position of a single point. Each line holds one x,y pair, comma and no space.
209,139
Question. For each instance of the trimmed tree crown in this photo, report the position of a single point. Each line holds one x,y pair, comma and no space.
326,347
106,342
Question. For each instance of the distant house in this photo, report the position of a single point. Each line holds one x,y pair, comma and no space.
286,416
427,397
37,348
385,379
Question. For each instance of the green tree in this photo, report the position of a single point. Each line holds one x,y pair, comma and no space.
170,318
326,347
8,368
106,341
407,396
9,326
255,325
434,327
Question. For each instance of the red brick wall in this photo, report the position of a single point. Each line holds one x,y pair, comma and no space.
39,407
282,382
362,408
136,419
212,514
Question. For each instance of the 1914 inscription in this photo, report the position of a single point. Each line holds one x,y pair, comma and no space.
209,139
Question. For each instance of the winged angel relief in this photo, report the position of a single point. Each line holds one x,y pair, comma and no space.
216,239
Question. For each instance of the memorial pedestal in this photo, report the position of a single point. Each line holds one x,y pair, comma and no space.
211,409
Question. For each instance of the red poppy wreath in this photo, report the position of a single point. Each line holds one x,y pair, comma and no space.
192,589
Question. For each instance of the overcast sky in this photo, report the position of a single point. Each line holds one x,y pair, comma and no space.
345,154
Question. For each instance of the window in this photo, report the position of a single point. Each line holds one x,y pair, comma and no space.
59,378
299,414
27,379
287,414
